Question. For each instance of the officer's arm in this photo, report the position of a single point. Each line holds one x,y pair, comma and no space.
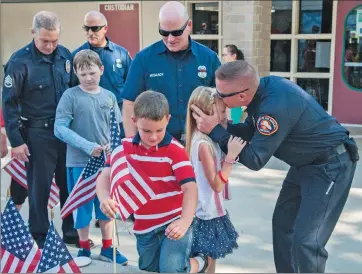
221,135
15,75
128,65
135,84
275,121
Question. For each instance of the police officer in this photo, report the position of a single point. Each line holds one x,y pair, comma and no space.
35,78
115,59
174,66
285,121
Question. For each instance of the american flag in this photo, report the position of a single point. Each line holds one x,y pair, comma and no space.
130,187
16,169
55,257
19,252
85,188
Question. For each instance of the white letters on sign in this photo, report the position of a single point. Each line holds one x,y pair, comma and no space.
115,7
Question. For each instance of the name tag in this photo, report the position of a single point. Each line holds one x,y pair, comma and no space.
156,74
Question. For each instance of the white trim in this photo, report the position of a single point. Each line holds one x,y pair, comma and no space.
332,60
140,31
281,74
312,75
156,226
181,164
157,215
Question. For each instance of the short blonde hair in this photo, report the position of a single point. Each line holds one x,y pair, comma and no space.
86,58
151,105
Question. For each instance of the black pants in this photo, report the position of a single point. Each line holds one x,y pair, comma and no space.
47,156
307,210
17,192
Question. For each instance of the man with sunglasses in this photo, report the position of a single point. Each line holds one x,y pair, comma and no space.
174,66
115,59
285,121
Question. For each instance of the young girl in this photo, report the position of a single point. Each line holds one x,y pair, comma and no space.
214,234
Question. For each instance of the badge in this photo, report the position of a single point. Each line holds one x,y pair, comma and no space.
266,125
8,81
67,66
118,63
201,72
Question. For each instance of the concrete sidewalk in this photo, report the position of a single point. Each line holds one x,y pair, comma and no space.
253,198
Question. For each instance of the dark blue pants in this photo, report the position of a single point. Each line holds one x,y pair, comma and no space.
120,104
306,213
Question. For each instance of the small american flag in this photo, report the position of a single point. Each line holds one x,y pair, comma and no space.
130,187
85,188
55,257
16,169
19,252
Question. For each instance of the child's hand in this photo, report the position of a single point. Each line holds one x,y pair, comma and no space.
97,151
235,146
107,149
177,229
109,208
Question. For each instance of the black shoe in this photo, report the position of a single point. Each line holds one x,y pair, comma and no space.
71,237
206,263
96,223
91,244
40,240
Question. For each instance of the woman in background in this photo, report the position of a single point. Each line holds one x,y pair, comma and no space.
231,53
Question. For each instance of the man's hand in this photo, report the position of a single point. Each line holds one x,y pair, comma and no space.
109,208
177,229
21,152
97,151
205,123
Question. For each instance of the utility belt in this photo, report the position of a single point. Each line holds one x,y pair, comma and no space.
35,123
349,146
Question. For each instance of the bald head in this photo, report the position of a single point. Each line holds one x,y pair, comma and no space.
96,16
46,20
173,10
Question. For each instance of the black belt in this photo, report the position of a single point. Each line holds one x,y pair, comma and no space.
325,157
44,123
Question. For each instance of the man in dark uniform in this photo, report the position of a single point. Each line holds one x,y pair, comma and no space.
285,121
115,59
174,66
35,78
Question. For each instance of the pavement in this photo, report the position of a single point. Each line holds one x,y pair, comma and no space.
254,194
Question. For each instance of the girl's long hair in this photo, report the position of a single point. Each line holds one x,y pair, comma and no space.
203,98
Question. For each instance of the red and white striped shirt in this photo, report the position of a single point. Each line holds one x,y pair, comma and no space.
169,166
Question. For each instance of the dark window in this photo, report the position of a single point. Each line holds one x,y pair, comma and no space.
205,18
315,16
280,55
212,44
317,88
281,17
314,55
352,58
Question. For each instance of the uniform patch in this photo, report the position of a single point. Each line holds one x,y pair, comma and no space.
67,66
8,81
118,63
201,72
267,125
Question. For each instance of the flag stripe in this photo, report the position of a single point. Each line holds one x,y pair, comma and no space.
4,257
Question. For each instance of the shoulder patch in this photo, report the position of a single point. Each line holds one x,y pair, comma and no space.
8,81
266,125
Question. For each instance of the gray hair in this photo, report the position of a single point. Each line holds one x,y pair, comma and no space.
98,15
235,69
46,20
151,105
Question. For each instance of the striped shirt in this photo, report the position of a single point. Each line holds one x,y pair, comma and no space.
168,165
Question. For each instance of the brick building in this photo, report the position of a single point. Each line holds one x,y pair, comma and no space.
313,43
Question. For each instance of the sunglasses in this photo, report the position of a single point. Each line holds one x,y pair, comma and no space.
175,33
93,28
230,94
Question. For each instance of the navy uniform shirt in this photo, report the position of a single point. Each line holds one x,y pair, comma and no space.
116,61
175,75
33,85
284,121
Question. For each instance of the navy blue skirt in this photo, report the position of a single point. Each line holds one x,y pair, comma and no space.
215,238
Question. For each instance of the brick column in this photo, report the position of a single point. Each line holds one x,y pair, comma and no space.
247,24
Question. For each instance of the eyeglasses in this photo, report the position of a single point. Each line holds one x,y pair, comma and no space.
230,94
175,33
93,28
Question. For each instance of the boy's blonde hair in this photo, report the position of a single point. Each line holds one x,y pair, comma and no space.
151,105
86,58
203,98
